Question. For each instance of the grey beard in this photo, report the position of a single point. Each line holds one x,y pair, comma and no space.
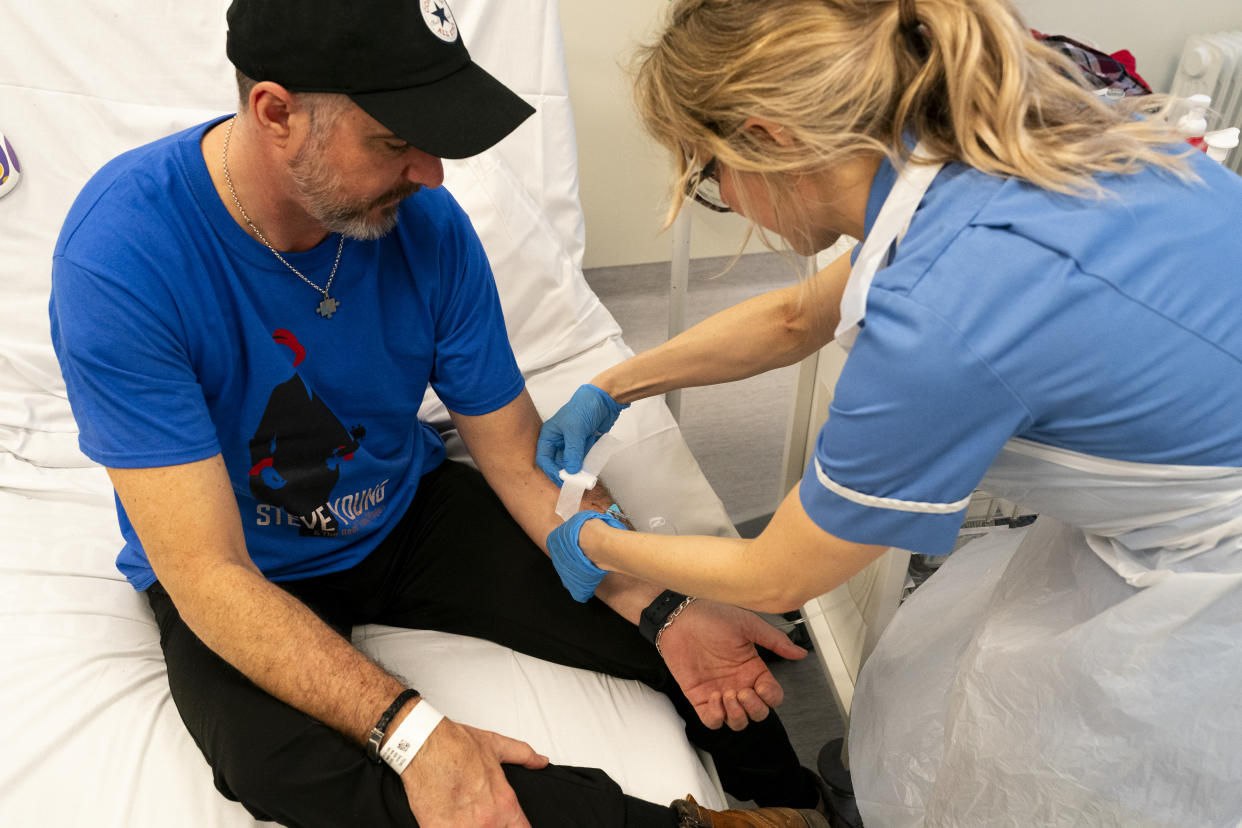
354,224
319,187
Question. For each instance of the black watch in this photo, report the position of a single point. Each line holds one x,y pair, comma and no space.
657,612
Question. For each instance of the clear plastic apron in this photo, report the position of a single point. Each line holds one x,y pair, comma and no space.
1084,671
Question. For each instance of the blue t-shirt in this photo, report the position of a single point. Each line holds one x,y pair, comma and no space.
180,337
1106,327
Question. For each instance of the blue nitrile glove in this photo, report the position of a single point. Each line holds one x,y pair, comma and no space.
578,574
566,438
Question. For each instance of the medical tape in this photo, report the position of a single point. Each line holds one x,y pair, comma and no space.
569,502
573,487
410,736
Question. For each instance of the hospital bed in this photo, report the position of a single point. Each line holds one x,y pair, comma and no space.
89,733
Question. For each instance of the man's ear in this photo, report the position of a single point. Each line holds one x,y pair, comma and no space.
272,106
764,130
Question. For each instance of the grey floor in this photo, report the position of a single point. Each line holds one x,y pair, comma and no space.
736,431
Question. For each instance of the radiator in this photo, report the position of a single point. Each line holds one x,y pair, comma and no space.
1211,64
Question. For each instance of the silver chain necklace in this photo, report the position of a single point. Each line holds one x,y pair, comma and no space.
329,305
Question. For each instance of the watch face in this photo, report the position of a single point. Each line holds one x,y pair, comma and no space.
10,168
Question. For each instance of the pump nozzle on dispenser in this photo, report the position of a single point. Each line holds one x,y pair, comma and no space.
1220,142
1194,123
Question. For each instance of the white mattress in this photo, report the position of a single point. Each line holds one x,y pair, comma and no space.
89,732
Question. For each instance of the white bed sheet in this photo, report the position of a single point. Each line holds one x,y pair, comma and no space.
88,731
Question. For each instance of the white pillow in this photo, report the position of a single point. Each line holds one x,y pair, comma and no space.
61,139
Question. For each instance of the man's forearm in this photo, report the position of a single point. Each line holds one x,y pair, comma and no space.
187,519
503,445
626,596
284,648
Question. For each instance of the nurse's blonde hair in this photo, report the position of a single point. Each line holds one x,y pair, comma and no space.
847,77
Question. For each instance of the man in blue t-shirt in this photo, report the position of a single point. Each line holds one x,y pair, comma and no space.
248,314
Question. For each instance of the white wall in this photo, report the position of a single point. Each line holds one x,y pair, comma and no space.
623,174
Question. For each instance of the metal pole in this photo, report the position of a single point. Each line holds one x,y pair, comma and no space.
679,282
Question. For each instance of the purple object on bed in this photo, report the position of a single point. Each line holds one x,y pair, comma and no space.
10,168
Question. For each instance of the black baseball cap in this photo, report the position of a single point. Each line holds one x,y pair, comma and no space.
402,61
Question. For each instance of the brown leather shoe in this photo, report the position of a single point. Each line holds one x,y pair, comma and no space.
691,815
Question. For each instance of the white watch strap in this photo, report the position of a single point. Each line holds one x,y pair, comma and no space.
408,738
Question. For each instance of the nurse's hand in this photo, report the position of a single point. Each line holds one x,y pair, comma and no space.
710,650
569,434
579,575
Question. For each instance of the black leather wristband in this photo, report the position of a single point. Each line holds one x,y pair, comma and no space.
381,727
657,612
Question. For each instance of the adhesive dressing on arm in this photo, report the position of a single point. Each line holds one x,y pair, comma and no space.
576,485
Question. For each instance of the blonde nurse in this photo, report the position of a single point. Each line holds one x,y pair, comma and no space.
1044,304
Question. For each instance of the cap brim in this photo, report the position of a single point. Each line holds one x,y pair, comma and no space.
458,116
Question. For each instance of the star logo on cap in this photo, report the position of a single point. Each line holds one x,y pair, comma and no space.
439,19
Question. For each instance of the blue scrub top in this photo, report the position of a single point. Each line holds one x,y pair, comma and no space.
1107,326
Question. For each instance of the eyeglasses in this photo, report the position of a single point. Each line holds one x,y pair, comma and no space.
704,187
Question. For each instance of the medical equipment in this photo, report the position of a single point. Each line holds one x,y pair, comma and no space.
83,678
1193,126
1194,123
1219,142
1211,65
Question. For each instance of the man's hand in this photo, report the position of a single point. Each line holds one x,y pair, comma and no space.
710,649
455,780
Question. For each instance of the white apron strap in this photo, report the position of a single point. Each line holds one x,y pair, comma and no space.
890,226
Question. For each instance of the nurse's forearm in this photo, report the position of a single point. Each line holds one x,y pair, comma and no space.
769,331
722,569
789,563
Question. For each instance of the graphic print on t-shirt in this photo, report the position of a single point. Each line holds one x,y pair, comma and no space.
297,451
